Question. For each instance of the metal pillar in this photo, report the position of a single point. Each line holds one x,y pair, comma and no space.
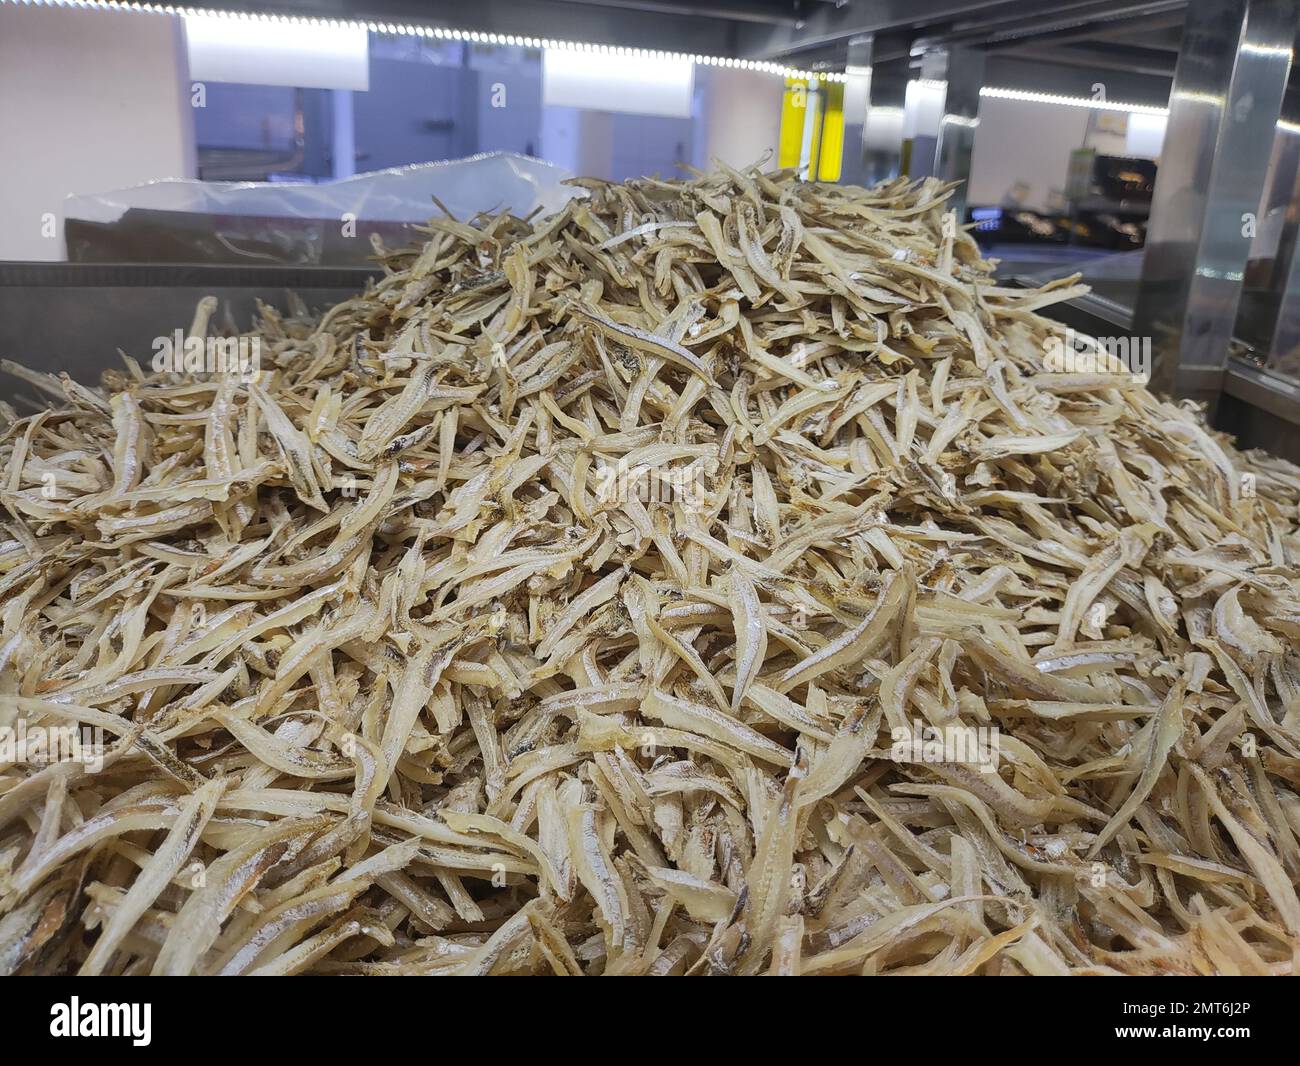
961,106
857,108
882,134
1227,94
1284,352
873,115
1282,202
945,138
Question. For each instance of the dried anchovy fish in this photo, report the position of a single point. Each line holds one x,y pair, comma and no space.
601,595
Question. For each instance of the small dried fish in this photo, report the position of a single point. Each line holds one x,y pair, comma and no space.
718,576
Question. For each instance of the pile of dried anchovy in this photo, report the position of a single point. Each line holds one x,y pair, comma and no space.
718,576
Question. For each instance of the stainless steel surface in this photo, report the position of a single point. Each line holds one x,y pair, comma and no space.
1260,409
1226,98
1266,318
1260,387
75,317
943,139
961,102
873,144
882,139
828,25
1284,352
1050,55
824,24
770,12
1282,202
857,69
1067,22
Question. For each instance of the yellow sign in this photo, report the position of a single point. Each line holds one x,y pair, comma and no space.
812,128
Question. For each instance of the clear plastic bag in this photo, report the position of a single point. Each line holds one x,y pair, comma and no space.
327,224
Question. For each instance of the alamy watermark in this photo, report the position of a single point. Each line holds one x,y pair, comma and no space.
179,354
42,745
978,746
619,483
77,1019
1078,353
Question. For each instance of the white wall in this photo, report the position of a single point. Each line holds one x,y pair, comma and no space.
1019,140
741,117
579,140
89,101
739,122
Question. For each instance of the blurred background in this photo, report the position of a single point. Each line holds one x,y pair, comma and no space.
98,99
1150,145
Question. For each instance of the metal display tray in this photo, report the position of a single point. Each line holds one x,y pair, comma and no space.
75,317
